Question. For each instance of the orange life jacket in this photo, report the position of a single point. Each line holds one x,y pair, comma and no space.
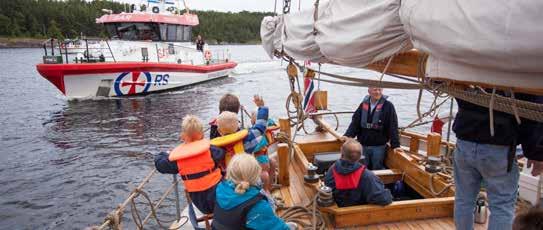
269,133
196,166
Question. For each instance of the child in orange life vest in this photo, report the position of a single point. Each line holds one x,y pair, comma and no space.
255,140
196,161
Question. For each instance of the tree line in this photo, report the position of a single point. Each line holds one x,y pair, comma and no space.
72,18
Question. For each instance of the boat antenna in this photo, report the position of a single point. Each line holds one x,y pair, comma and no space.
186,6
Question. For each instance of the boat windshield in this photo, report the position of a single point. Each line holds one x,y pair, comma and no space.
149,31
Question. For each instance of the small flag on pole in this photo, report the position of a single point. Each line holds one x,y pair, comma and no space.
309,91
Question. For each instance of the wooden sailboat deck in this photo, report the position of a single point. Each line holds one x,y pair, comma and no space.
434,213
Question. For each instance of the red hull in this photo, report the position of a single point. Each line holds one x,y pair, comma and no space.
55,72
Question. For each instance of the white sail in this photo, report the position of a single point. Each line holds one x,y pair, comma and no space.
487,41
347,32
493,42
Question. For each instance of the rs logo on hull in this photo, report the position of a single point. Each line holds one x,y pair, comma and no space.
129,83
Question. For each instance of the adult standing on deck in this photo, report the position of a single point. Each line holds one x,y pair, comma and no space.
200,43
374,124
485,157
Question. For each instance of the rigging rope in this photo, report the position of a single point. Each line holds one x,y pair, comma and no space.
441,88
352,81
526,109
113,219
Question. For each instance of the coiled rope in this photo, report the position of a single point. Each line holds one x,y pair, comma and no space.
298,213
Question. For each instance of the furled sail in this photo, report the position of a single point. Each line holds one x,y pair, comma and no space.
346,32
486,41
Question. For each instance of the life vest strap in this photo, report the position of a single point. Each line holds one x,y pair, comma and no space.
195,176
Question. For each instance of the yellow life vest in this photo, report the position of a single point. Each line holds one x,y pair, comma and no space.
232,143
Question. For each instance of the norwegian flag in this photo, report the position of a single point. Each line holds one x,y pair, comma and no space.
309,91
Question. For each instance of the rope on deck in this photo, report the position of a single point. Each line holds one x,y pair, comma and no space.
432,189
298,213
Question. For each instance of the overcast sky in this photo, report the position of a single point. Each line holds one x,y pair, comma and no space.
237,5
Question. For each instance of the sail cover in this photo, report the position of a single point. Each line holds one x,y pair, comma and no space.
489,41
346,32
496,42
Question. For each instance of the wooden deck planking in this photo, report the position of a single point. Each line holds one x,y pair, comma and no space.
449,222
403,225
294,183
441,223
287,198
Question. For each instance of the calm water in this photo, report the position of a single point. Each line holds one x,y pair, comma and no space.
65,164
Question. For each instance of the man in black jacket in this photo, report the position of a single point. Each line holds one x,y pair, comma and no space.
200,43
353,184
374,124
486,157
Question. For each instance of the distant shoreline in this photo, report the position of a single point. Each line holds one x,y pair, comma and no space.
8,43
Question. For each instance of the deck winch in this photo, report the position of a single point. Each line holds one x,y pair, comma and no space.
433,164
325,198
311,176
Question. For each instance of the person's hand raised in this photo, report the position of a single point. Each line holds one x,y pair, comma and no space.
258,100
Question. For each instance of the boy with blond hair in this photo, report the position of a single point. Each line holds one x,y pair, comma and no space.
197,163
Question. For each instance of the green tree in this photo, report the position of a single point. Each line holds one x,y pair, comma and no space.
5,25
34,18
15,29
53,30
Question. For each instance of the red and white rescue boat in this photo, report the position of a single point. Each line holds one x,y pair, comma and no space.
147,51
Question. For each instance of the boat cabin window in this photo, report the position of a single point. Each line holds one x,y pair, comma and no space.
149,31
175,33
133,31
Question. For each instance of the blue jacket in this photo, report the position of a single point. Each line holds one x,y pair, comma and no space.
261,214
256,139
370,189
